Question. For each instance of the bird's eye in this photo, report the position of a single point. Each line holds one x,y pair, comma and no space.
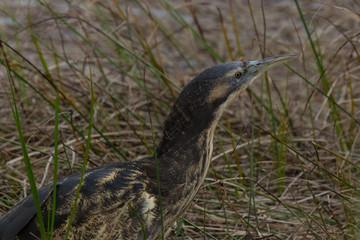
238,74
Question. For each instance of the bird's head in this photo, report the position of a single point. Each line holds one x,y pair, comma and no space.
202,101
216,87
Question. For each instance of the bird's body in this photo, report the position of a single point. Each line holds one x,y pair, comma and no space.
122,200
98,203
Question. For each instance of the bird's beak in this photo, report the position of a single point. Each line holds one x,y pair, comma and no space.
259,66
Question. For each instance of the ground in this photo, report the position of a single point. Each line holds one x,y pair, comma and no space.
286,152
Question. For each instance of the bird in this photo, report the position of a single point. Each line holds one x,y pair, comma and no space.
138,199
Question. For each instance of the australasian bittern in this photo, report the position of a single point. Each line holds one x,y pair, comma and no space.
121,200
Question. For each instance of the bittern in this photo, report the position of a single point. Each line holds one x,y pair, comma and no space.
137,199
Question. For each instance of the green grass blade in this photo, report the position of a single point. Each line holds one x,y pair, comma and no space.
29,171
252,199
334,112
56,143
88,140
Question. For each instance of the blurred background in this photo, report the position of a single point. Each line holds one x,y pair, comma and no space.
286,152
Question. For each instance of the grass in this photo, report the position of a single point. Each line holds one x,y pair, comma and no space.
286,159
30,174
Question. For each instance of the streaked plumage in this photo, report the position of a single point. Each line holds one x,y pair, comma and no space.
120,200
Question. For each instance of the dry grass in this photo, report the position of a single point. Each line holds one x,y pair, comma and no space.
287,168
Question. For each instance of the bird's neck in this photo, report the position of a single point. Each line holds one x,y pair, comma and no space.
186,147
184,156
184,130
